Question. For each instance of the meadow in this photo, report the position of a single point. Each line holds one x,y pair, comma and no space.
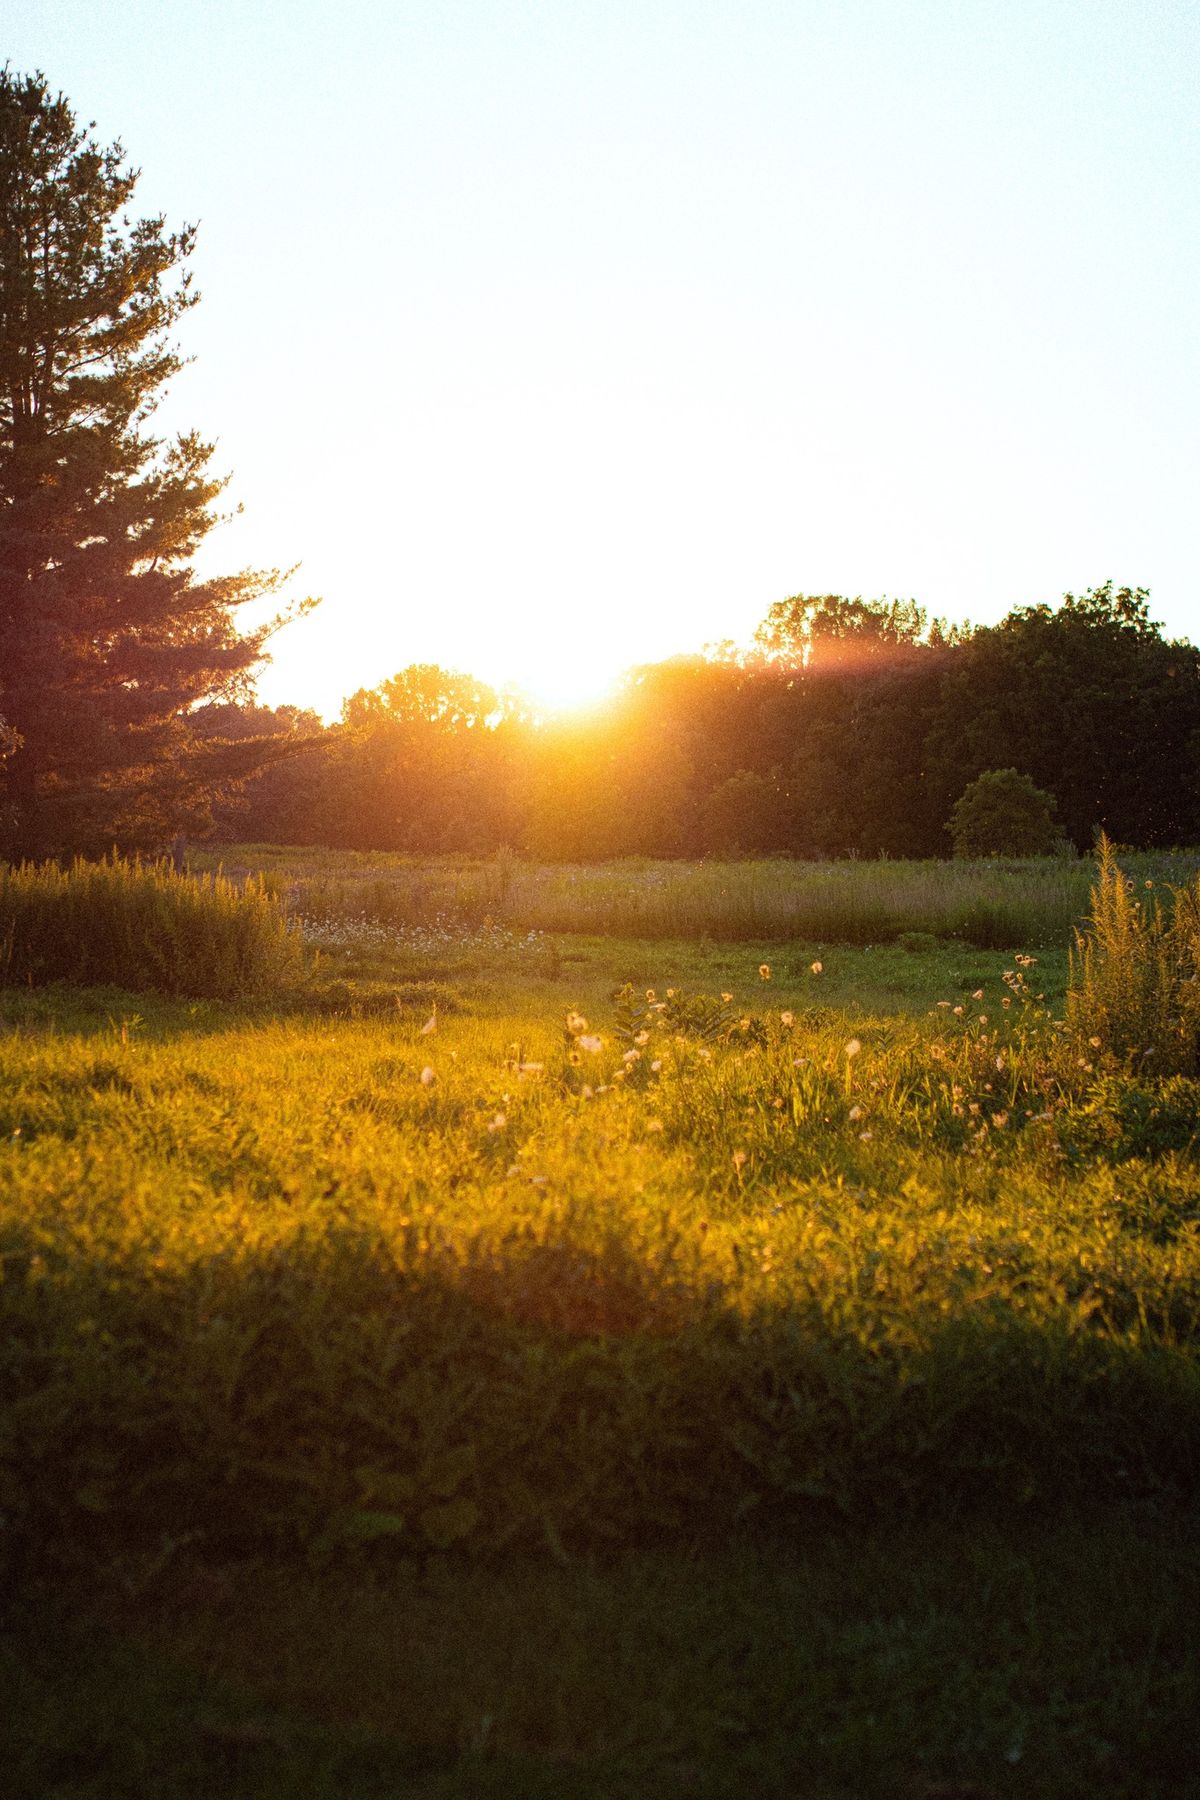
993,904
505,1357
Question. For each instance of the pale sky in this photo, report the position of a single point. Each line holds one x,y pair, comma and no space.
554,337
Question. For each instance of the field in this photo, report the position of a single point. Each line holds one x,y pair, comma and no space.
538,1354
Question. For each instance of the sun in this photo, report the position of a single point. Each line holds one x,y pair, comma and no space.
576,684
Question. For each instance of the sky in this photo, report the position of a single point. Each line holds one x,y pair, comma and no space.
554,336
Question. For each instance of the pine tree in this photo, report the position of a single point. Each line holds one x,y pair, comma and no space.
107,636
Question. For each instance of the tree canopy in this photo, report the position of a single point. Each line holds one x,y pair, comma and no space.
1050,726
108,638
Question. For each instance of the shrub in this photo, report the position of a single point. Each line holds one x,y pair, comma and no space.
1135,974
143,927
1002,813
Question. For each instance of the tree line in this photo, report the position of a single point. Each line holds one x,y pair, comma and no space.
851,728
127,711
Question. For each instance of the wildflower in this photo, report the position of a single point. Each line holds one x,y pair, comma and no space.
787,1019
853,1047
978,994
856,1112
817,968
1149,884
427,1076
983,1018
643,1037
1094,1042
1000,1120
864,1137
764,971
727,998
574,1058
497,1122
576,1023
530,1068
656,1065
650,994
739,1160
944,1003
587,1091
704,1054
958,1012
590,1044
670,993
632,1056
654,1124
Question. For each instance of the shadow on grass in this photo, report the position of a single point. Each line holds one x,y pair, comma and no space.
347,1394
901,1663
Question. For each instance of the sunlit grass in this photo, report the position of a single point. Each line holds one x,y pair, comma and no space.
578,1363
301,1253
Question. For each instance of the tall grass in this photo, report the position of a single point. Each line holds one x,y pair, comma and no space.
143,927
1135,971
993,904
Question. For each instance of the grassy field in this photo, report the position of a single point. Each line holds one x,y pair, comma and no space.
529,1362
1007,905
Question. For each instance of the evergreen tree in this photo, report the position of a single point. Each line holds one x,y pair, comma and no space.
107,636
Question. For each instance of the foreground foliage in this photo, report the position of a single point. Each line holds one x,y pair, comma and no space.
328,1284
1017,1658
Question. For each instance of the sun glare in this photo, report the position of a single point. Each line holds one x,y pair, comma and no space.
566,687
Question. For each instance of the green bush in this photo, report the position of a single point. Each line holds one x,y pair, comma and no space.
1002,813
143,927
